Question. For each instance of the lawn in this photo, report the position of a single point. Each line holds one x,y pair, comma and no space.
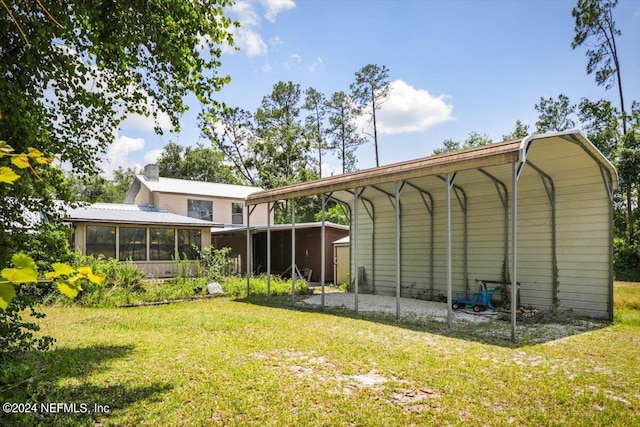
248,362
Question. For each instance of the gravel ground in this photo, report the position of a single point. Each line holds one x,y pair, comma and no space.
409,307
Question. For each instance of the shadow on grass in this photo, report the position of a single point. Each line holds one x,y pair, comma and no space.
78,401
493,332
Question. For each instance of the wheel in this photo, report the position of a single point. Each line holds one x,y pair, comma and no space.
456,305
477,308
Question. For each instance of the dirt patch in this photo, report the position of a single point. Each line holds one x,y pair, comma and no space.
416,400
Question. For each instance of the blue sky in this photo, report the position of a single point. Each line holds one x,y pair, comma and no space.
455,66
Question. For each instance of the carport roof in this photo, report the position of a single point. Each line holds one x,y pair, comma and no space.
495,154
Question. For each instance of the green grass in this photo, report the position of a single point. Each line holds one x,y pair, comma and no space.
249,362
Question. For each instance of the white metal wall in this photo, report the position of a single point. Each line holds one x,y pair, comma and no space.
582,223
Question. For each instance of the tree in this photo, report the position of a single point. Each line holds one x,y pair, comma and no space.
475,139
370,90
555,116
314,102
600,122
196,164
594,21
448,146
282,152
342,129
97,189
521,131
66,88
233,134
629,171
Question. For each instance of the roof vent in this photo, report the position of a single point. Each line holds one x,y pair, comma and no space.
151,172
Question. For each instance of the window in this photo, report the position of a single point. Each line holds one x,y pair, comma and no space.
201,209
237,216
187,239
162,244
133,243
101,240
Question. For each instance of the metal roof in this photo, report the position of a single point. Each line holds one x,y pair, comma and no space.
199,188
495,154
278,227
132,214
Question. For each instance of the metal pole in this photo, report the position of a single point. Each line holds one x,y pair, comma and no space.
248,250
398,269
514,244
268,249
355,246
323,248
449,278
293,251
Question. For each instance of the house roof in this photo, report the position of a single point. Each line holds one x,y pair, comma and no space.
132,214
495,154
184,186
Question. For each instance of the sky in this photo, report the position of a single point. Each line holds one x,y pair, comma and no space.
455,67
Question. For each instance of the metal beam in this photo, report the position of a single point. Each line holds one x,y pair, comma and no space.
430,209
503,194
461,196
516,169
250,210
449,181
270,208
293,252
550,189
323,248
356,195
398,207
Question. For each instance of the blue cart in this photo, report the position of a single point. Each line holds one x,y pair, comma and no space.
479,301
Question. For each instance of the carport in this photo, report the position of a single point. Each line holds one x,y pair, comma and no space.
537,212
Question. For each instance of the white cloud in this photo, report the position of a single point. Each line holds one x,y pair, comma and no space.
152,156
118,154
411,110
146,123
248,38
329,170
296,57
274,7
250,42
318,62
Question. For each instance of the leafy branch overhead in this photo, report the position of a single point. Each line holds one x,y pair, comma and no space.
20,161
24,270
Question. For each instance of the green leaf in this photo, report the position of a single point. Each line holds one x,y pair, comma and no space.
7,175
86,273
21,161
7,292
60,269
5,148
24,271
69,287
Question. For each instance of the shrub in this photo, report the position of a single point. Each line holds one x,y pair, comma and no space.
626,261
214,263
237,286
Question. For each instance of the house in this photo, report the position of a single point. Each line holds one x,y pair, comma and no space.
307,247
148,236
208,201
536,211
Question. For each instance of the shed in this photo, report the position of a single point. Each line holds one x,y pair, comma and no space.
308,248
537,211
341,260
